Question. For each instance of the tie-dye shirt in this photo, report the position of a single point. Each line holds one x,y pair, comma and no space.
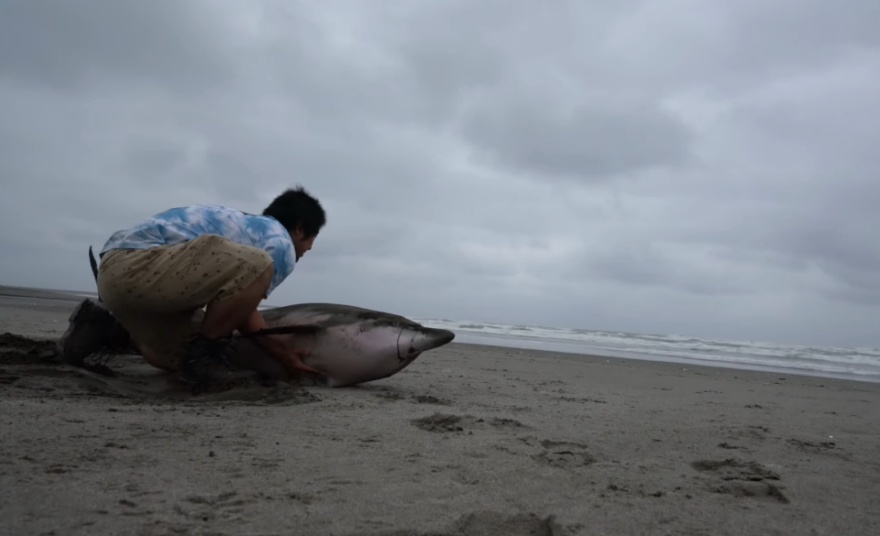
185,223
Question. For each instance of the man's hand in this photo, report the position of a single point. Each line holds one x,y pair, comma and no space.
277,346
295,360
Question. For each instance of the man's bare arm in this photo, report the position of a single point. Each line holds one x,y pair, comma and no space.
275,344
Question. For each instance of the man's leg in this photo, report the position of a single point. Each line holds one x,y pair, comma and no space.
197,360
154,294
127,284
222,317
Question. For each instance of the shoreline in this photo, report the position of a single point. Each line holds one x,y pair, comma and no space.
686,363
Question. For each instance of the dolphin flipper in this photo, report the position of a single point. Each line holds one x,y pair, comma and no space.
297,329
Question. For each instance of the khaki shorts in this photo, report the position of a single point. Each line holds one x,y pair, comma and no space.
155,292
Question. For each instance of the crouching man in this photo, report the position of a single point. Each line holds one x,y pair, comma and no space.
154,276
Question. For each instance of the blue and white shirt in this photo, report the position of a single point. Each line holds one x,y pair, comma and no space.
185,223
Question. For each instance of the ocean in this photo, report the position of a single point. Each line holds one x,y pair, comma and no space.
848,363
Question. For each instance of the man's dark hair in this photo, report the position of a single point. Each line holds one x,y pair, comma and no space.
297,207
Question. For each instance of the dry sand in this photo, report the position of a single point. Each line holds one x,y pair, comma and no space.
468,440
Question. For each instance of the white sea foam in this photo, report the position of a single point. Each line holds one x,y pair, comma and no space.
862,363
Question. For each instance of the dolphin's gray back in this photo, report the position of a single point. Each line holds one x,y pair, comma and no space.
328,315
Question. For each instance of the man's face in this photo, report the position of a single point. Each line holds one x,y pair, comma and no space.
301,244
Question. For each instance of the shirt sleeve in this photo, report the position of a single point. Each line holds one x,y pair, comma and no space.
284,260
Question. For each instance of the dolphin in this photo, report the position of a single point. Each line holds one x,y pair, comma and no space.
349,345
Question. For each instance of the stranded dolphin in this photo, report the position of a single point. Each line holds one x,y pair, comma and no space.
349,345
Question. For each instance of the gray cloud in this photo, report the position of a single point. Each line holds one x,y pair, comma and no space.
72,45
611,165
588,142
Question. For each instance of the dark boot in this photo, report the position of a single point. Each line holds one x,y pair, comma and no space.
92,329
204,361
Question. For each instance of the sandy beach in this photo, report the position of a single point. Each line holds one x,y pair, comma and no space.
469,440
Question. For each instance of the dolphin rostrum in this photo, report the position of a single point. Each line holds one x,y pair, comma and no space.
348,344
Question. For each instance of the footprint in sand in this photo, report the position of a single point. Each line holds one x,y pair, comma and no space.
564,454
447,423
746,433
734,469
742,478
822,445
827,448
392,396
755,490
251,393
428,399
230,505
389,396
485,523
8,378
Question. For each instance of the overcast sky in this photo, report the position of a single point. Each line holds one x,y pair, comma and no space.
698,167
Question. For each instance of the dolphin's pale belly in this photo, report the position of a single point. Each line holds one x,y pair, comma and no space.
348,354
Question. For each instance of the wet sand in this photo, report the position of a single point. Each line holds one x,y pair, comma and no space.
468,440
